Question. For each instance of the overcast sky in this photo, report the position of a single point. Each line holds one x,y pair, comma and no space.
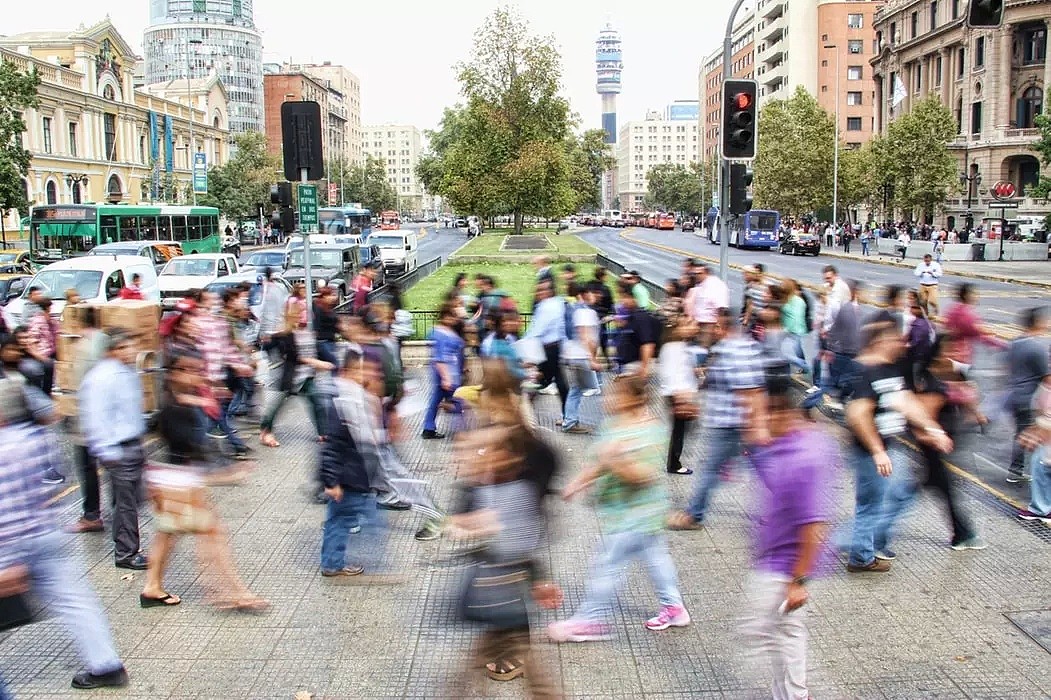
404,50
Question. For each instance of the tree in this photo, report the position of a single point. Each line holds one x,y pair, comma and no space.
505,149
18,92
589,159
914,157
1042,189
794,158
858,178
363,184
238,186
677,188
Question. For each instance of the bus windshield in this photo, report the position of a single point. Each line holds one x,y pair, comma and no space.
53,241
54,283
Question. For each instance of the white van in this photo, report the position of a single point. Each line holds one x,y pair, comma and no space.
399,250
97,278
296,241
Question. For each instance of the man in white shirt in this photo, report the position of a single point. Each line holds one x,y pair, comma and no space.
929,271
703,302
580,355
838,294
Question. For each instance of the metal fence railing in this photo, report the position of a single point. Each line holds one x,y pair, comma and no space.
423,323
405,282
656,289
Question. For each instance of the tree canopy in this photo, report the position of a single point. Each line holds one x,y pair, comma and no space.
1042,189
366,183
242,183
678,188
18,92
509,148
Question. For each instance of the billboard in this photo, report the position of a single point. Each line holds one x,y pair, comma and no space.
684,111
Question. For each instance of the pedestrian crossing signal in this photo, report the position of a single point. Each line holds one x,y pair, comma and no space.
985,13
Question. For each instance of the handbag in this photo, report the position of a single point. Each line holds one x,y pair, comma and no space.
496,594
181,503
15,609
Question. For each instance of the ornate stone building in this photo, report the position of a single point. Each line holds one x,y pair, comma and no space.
995,81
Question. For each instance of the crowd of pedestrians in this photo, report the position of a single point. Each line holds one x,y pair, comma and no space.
737,368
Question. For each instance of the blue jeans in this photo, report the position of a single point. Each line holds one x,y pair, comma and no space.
864,246
326,352
878,502
580,378
1040,488
438,394
841,374
792,351
225,414
608,572
353,509
56,580
723,445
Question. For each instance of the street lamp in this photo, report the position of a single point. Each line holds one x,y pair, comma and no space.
835,147
971,179
78,179
189,98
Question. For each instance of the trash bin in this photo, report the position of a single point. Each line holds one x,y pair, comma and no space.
978,251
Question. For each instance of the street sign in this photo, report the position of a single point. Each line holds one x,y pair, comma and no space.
200,173
333,194
1003,205
1004,190
308,208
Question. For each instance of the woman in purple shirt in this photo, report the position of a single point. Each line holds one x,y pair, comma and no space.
446,368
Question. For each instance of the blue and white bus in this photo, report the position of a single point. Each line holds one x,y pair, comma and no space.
340,221
758,228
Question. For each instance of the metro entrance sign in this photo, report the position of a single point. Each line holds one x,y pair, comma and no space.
1004,190
308,208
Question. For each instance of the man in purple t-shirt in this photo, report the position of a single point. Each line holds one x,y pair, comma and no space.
795,471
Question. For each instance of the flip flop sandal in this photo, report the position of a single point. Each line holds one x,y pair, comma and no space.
682,521
166,601
505,669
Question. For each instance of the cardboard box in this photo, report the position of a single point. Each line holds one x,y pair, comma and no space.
133,315
66,404
66,346
64,376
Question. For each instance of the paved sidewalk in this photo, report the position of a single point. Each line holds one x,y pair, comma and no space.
935,627
1032,272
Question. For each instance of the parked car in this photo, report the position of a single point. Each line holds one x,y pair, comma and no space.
688,225
330,265
193,272
800,244
460,222
160,253
261,259
96,278
15,261
12,285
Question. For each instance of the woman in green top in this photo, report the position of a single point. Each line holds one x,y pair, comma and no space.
794,323
633,505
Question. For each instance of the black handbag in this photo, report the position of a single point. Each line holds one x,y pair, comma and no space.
496,594
15,611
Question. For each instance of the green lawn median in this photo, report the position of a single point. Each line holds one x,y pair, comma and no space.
517,279
492,243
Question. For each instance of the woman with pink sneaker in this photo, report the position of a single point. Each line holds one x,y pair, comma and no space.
628,464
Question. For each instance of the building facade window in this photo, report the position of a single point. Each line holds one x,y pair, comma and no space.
855,20
893,33
955,8
109,128
1030,105
854,73
917,77
73,139
914,25
933,15
938,70
853,123
854,99
1032,45
961,62
45,126
856,45
51,192
976,118
979,52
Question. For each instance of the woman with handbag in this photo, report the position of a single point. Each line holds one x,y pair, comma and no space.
677,368
505,512
179,494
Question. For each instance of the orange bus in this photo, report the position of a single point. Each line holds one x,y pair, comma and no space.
651,220
390,221
666,222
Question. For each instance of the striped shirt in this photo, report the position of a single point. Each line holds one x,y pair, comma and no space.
24,513
735,364
215,343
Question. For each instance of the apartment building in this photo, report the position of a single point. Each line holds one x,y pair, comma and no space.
400,147
742,57
344,82
993,80
659,138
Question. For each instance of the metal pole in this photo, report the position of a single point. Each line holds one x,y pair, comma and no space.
724,184
341,180
308,280
189,100
835,156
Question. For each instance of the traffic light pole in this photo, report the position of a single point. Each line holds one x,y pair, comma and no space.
724,164
307,278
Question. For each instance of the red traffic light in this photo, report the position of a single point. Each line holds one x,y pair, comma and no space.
742,100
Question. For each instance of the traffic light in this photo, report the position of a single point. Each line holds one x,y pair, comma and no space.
281,194
739,119
741,176
284,220
985,13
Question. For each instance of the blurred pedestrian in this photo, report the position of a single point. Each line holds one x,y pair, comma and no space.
111,411
677,367
1036,438
796,471
549,327
1027,362
134,289
42,343
626,471
446,368
88,350
579,355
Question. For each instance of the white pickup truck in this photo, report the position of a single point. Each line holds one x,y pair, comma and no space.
196,271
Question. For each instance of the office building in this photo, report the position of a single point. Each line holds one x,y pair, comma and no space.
199,37
649,142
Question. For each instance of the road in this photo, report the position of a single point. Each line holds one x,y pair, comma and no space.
441,241
999,308
981,456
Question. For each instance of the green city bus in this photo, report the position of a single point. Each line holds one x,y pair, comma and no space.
60,231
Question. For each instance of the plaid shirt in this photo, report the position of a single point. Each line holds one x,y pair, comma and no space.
735,364
215,343
28,451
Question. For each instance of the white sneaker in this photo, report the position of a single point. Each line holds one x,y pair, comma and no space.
592,392
550,390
